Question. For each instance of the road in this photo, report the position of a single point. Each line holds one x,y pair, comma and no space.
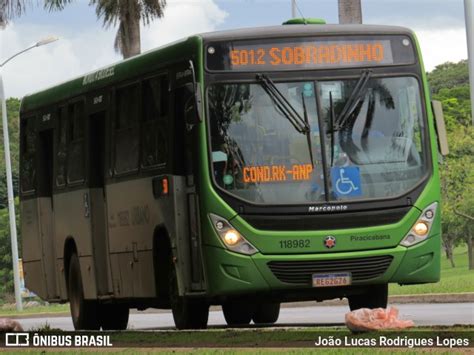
421,314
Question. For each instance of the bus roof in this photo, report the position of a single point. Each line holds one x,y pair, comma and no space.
149,60
114,73
302,30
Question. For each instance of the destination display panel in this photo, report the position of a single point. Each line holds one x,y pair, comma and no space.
309,53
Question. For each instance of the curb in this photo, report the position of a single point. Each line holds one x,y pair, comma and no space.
464,297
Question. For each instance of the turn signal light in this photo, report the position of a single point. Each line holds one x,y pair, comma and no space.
165,186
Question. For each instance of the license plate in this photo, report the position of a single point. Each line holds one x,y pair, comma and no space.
332,280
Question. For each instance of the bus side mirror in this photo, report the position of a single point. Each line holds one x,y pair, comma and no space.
440,127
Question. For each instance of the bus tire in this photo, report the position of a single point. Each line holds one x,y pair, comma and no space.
375,296
187,313
83,312
237,313
266,313
114,316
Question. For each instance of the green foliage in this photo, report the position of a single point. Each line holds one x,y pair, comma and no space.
449,75
6,266
6,269
450,82
456,106
13,109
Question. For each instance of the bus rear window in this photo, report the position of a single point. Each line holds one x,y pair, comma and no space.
309,53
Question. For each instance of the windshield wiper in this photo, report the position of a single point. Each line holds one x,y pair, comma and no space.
287,109
355,98
331,123
308,131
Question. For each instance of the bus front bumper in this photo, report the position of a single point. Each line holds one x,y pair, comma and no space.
232,274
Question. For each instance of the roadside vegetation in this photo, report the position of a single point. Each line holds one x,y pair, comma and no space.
450,85
9,310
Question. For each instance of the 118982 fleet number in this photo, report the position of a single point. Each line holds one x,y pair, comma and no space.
296,243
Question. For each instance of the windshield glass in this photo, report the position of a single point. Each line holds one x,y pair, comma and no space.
257,153
377,148
373,150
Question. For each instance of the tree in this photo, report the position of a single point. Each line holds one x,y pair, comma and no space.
127,13
13,108
11,8
450,84
449,75
6,267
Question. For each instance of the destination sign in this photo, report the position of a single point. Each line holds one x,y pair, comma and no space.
277,173
317,53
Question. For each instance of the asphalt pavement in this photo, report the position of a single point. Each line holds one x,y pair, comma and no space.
422,314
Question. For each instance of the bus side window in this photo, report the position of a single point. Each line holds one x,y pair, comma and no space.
154,135
28,155
61,150
126,128
75,154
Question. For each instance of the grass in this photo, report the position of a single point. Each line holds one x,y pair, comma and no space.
453,280
218,351
51,308
274,337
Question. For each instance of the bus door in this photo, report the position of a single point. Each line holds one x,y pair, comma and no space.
186,137
97,194
45,203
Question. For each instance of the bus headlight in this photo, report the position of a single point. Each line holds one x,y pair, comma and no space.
422,227
232,239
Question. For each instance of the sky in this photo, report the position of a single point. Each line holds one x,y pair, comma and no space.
85,45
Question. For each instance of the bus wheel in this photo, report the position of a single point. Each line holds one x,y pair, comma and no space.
237,312
187,313
114,316
375,296
266,313
83,312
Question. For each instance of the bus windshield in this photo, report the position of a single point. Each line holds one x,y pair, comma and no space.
373,140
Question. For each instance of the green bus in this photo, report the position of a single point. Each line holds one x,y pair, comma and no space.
241,168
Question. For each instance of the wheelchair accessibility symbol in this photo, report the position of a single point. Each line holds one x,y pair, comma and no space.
346,181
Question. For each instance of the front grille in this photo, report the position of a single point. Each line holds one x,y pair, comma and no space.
326,221
301,272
